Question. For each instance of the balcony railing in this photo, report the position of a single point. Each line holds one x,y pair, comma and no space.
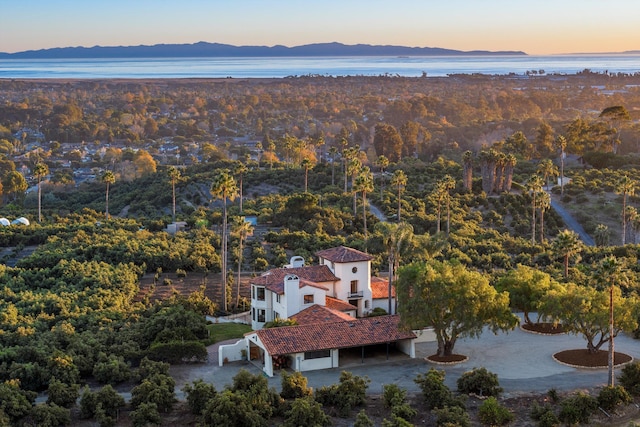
357,294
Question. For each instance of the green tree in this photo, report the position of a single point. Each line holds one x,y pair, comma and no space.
240,170
544,203
616,116
561,143
40,170
547,169
14,183
107,178
305,411
387,142
306,164
382,162
146,414
364,184
333,151
224,187
467,170
174,176
455,301
567,244
198,395
534,186
627,187
399,181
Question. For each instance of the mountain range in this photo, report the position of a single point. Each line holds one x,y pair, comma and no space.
204,49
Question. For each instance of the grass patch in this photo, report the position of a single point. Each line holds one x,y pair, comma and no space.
226,331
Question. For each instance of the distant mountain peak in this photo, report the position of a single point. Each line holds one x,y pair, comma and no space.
203,49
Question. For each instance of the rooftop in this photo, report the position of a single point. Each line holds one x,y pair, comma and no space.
342,254
320,314
310,275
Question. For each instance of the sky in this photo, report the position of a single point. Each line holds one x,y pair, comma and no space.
537,27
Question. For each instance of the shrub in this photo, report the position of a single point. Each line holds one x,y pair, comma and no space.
404,411
362,420
306,412
175,352
452,416
610,397
479,381
50,414
436,394
102,404
158,389
349,393
181,273
111,370
577,409
630,378
492,413
145,414
544,415
393,395
396,421
294,386
198,395
231,409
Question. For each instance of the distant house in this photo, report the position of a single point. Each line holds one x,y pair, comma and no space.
329,302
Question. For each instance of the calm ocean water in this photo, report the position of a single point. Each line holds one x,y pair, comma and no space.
325,66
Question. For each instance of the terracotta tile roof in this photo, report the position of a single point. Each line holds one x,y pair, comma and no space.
342,254
313,275
338,304
320,314
325,336
380,288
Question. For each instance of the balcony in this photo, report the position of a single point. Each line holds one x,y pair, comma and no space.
357,294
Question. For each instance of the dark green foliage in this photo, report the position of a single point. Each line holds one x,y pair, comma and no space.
492,413
50,415
294,386
175,352
14,402
198,395
611,397
630,378
544,415
232,409
150,367
264,400
479,381
111,369
306,412
396,421
62,394
145,414
436,394
393,395
103,404
349,393
404,411
553,395
577,409
158,389
363,420
449,416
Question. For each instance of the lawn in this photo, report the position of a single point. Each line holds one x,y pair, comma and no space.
226,331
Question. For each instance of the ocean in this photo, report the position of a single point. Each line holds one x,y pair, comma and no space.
431,66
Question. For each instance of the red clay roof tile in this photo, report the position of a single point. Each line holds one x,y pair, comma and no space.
320,314
342,254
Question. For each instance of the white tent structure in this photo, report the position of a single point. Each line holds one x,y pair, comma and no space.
22,220
5,222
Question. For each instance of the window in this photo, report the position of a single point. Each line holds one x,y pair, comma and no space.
261,315
277,298
317,354
354,270
276,315
354,286
366,303
253,314
308,299
260,294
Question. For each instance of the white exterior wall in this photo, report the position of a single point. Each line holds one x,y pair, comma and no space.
384,304
344,271
232,352
265,305
302,365
407,347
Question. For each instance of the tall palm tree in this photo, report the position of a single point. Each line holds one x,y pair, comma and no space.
544,202
567,244
240,170
561,142
108,178
399,180
627,187
467,170
353,168
306,164
241,228
534,186
224,187
547,169
382,163
40,170
364,184
601,235
174,176
509,166
333,151
397,239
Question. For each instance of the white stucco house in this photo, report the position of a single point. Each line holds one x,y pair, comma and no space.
330,302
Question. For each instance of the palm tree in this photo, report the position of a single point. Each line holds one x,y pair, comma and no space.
509,166
534,186
241,228
306,164
224,187
108,178
364,185
449,184
547,169
561,142
382,163
567,244
40,170
467,170
353,168
240,170
601,235
174,176
397,238
627,187
399,180
544,203
333,151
